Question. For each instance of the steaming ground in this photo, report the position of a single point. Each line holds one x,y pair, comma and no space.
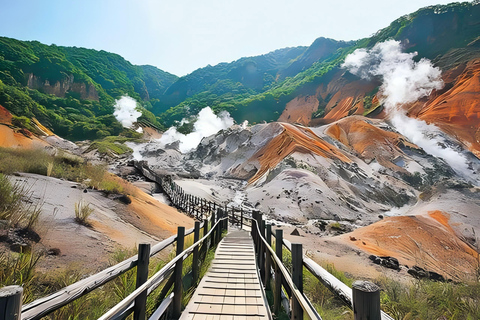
405,81
345,176
206,124
367,171
126,111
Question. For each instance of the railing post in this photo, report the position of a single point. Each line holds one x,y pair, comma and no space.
241,218
219,227
205,231
277,293
11,302
178,286
212,242
195,263
262,250
225,222
258,218
252,233
297,278
366,300
268,258
139,309
226,213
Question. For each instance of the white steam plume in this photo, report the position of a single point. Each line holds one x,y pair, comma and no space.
125,111
207,124
405,81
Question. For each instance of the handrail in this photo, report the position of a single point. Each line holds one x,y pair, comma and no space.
188,203
157,277
305,304
343,291
43,306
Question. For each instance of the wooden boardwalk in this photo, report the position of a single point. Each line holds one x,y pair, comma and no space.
231,289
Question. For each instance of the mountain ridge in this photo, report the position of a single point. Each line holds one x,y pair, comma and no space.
67,87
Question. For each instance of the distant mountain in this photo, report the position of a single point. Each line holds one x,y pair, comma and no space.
313,80
72,90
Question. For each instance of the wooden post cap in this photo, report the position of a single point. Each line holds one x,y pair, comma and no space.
365,286
10,291
366,301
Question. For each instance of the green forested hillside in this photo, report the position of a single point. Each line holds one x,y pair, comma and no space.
434,32
72,90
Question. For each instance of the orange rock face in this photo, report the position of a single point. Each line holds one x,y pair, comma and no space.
425,240
347,100
369,141
16,138
299,110
293,139
10,138
5,116
457,110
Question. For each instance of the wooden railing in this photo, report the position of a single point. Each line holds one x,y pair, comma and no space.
364,299
193,206
10,297
362,290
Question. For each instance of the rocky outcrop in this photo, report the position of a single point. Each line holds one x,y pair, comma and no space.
5,116
300,110
388,262
60,88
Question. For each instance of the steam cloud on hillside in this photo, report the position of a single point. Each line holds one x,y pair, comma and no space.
405,81
125,111
207,124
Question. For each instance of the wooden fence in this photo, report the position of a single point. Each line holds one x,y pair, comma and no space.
364,298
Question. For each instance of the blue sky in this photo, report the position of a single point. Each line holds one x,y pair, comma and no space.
180,36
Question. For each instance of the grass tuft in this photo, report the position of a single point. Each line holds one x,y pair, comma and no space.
82,212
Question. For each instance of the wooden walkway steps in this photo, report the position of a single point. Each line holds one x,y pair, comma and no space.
231,289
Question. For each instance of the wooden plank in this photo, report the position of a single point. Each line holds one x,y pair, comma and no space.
231,289
139,310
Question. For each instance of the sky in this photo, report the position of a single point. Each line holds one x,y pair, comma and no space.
180,36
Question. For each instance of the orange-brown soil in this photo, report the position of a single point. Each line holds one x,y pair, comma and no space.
16,138
151,133
5,116
299,110
456,109
427,241
347,100
369,141
11,138
292,139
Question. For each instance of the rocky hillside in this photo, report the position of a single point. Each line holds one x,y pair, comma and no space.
336,179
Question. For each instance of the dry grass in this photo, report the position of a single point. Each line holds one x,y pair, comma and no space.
64,166
82,212
17,207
